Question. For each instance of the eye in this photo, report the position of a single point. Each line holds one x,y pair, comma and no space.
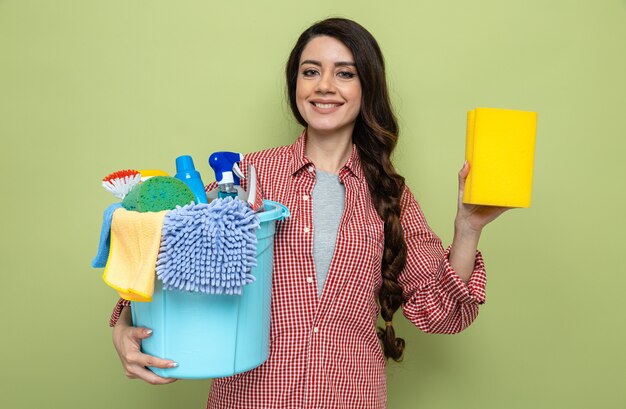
309,72
346,74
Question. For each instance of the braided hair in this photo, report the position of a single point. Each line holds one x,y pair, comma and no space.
375,136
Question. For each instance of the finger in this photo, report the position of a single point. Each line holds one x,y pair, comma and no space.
462,178
149,360
134,356
464,172
465,168
504,209
148,376
141,332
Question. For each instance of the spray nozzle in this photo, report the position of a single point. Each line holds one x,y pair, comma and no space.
227,171
237,171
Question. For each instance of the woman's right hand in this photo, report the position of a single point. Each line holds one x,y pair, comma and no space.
127,341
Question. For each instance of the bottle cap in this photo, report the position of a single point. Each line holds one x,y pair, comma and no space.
184,164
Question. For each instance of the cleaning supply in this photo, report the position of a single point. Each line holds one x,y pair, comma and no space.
186,171
105,237
254,194
208,248
135,243
500,147
227,172
148,173
158,193
121,182
214,335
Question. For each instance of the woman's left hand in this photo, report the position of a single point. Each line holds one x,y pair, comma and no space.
472,218
468,225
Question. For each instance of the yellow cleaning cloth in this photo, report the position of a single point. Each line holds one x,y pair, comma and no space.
135,243
500,147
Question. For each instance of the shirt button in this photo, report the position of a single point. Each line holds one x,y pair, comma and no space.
315,329
305,198
310,169
306,230
309,280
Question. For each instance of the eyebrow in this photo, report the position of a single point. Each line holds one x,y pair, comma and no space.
337,64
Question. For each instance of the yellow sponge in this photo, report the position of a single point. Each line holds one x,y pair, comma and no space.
500,147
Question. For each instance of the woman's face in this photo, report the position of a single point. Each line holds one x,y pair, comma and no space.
328,89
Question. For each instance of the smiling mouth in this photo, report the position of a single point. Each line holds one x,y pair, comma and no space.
325,106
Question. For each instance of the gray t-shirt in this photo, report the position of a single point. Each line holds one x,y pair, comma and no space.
328,198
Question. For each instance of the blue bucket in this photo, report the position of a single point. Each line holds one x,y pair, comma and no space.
213,336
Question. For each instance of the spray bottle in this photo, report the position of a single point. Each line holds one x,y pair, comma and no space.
186,171
227,172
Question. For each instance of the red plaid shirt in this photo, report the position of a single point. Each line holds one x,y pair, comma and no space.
324,352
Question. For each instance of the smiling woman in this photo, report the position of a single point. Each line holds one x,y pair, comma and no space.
349,50
328,90
330,280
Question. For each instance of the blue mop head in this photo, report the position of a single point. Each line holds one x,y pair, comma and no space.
208,248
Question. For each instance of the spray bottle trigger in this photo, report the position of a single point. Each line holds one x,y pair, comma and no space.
237,171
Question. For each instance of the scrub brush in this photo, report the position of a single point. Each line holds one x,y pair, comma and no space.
121,182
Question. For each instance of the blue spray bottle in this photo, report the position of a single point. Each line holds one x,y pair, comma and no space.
227,172
186,171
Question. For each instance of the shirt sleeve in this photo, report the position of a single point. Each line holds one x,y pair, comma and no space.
117,311
436,300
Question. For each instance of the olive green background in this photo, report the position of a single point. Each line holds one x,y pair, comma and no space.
90,87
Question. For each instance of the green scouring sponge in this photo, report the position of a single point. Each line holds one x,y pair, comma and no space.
158,193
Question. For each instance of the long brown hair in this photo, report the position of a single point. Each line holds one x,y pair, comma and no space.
375,135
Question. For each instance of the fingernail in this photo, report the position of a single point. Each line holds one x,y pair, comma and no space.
174,365
148,332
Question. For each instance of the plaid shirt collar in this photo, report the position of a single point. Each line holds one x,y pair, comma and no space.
301,163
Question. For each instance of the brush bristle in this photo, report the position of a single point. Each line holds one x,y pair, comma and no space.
120,174
121,182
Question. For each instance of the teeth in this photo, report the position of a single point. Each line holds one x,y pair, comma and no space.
325,105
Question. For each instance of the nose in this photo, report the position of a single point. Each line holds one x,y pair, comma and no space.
325,84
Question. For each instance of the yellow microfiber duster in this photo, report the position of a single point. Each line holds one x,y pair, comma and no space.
135,243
